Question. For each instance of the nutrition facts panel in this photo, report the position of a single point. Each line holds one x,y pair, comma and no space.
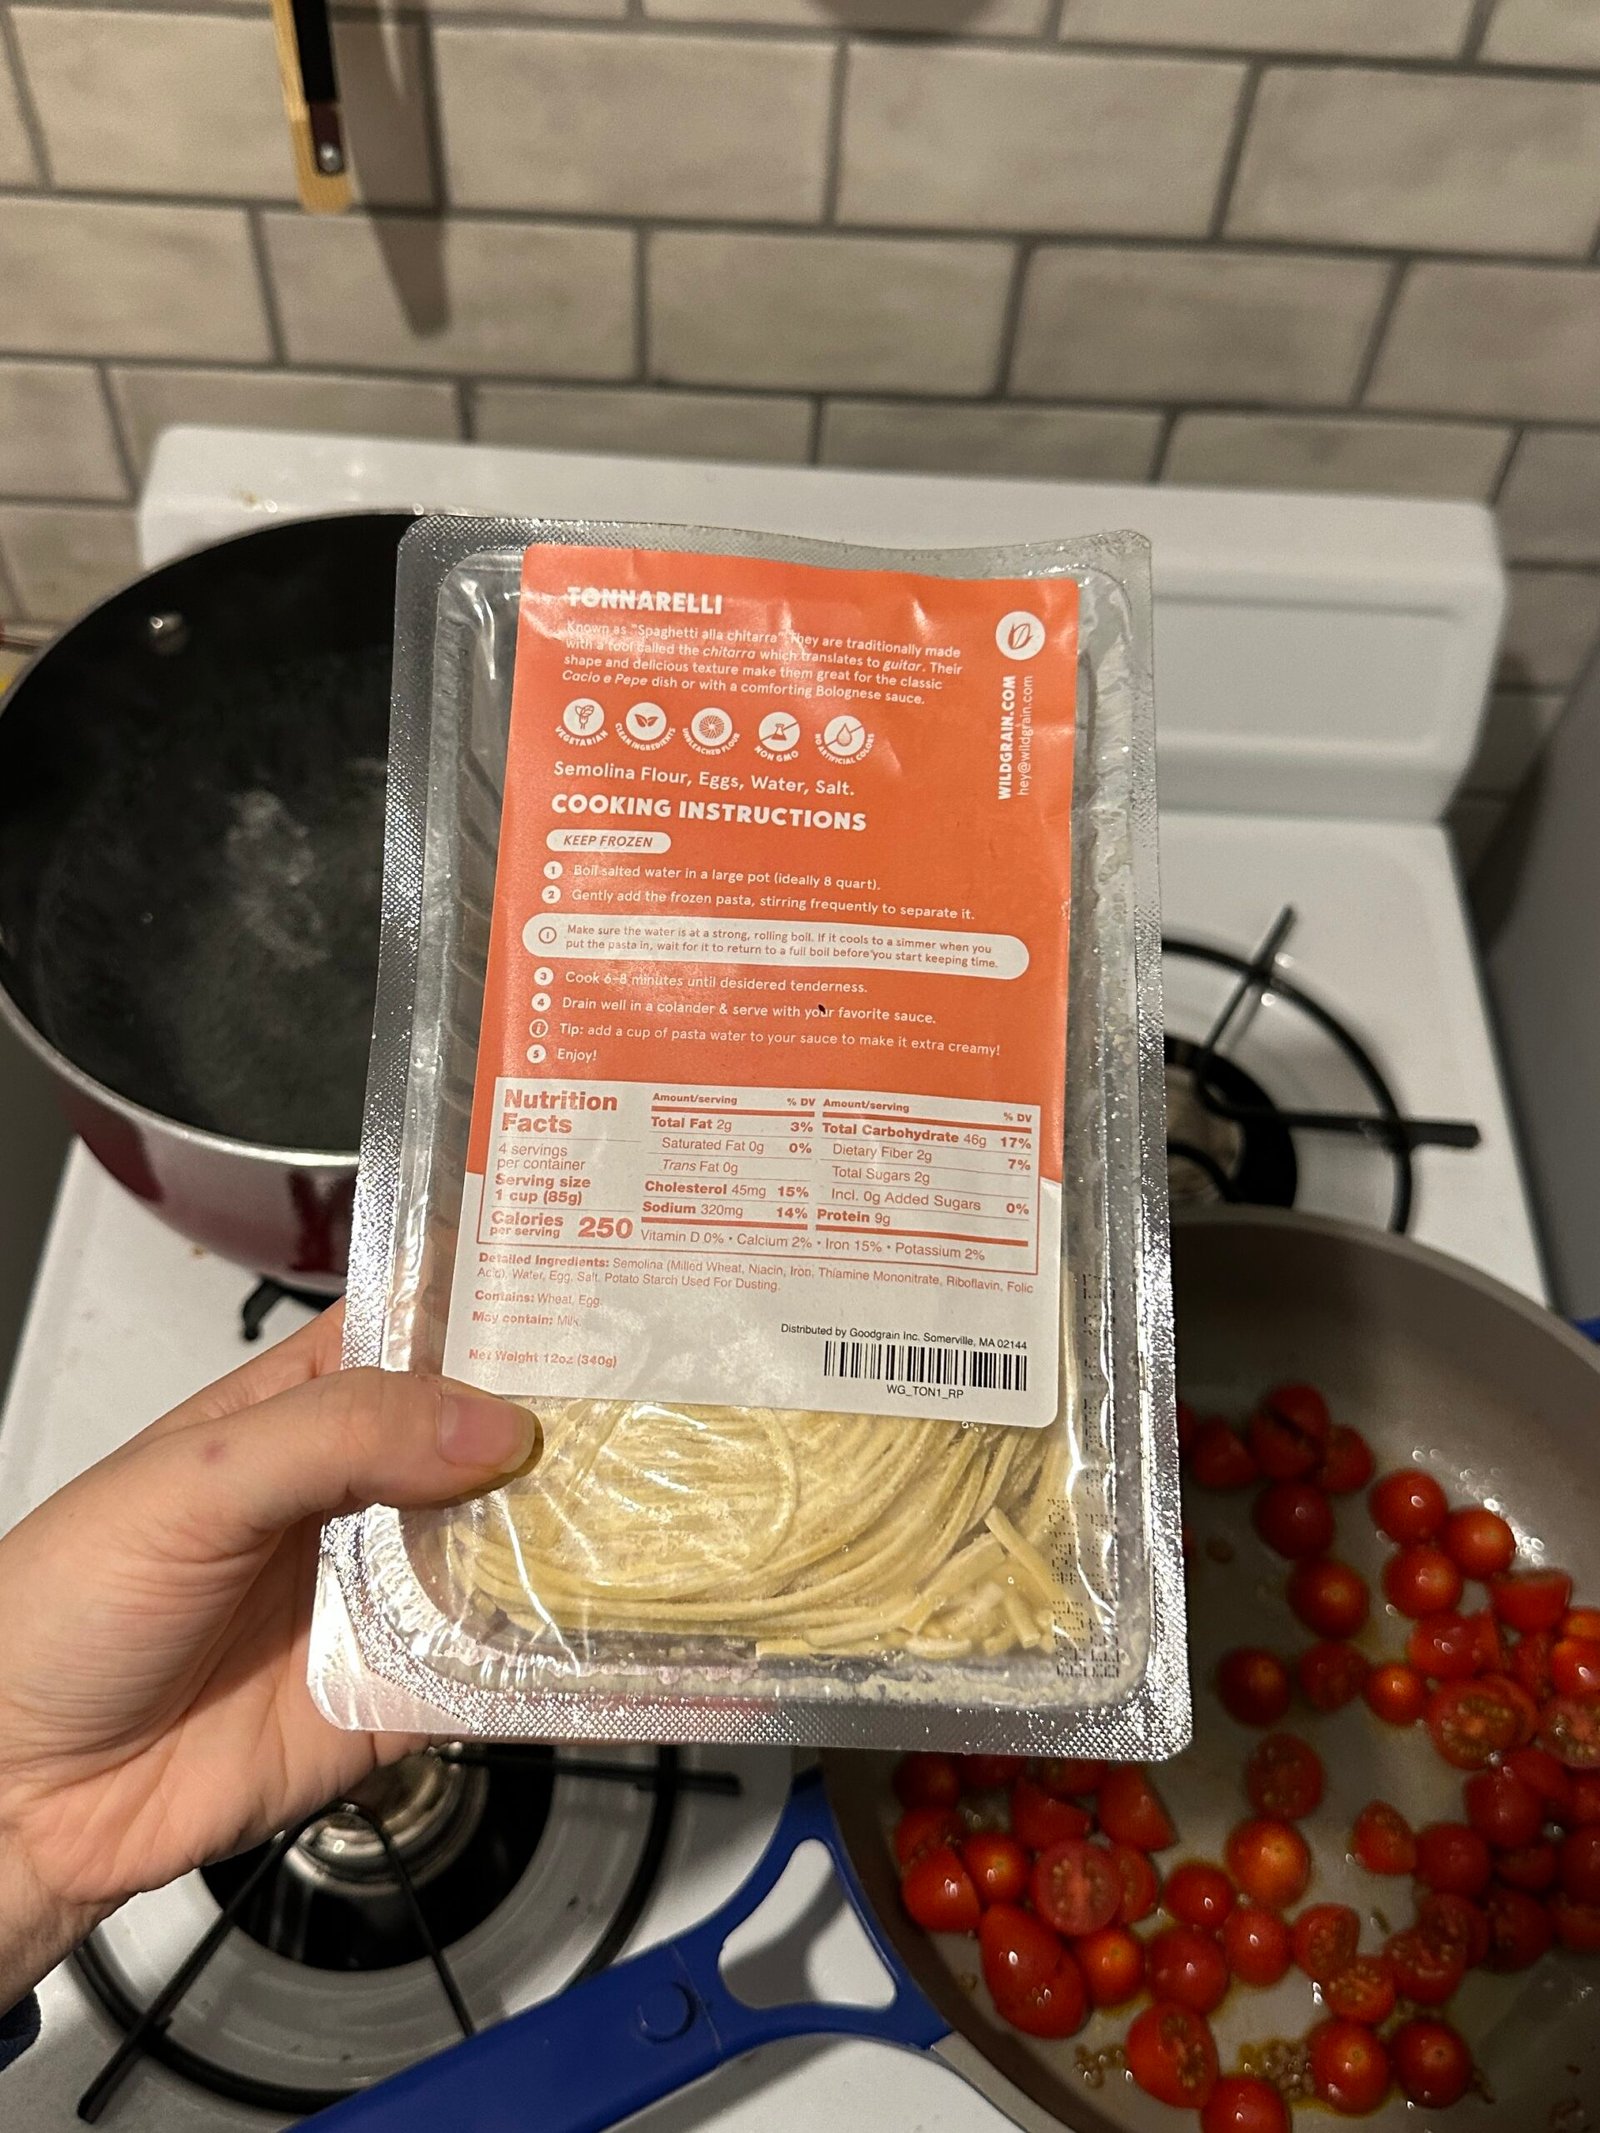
852,1176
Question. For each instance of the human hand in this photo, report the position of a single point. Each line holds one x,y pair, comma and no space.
154,1617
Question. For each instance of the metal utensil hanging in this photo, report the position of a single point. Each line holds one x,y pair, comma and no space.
311,104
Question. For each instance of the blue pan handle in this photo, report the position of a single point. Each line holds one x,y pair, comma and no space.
642,2029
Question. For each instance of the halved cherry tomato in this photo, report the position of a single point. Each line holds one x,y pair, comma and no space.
1577,1924
1324,1939
1421,1581
938,1894
1172,2055
1131,1811
1453,1859
1409,1506
1363,1991
1455,1924
1066,1777
1571,1732
1076,1887
1256,1943
1491,1645
1284,1777
1270,1861
1039,1821
1505,1812
1346,1464
998,1865
1520,1931
925,1829
1349,2067
1253,1685
1018,1952
1531,1867
1524,1707
1198,1894
1582,1622
1140,1887
1445,1648
1580,1864
1330,1598
987,1773
1057,2008
1112,1962
1294,1518
1431,2064
1530,1663
1241,2104
927,1781
1425,1973
1188,1966
1479,1542
1474,1721
1531,1599
1575,1666
1289,1431
1383,1840
1397,1694
1542,1774
1219,1458
1331,1675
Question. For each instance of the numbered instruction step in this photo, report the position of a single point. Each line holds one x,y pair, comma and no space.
858,1174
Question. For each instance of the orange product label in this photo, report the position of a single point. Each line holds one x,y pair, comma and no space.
770,1082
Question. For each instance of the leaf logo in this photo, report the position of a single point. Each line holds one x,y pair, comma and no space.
1019,635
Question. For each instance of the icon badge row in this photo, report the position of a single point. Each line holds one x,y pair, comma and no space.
711,730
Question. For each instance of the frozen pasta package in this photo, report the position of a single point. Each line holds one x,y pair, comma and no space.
766,1091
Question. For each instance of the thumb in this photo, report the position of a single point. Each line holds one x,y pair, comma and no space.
336,1444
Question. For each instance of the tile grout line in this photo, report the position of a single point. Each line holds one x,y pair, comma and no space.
466,411
119,438
1382,318
813,456
833,137
32,124
267,288
642,352
1233,154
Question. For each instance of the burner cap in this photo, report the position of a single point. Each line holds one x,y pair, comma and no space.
1211,1157
426,1808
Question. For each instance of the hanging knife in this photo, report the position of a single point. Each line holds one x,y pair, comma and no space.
311,104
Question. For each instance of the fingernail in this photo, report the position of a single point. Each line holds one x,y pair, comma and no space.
475,1429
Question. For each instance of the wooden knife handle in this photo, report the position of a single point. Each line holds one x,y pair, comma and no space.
311,104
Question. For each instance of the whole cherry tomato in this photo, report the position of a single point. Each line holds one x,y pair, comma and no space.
1363,1991
1445,1647
1583,1805
1531,1599
1076,1887
938,1894
1284,1777
1324,1939
1038,1820
1431,2064
1198,1894
1219,1458
1112,1962
1397,1694
1579,1864
1294,1518
1582,1622
1502,1809
1575,1666
1539,1770
1066,1777
1349,2067
1383,1840
925,1829
1241,2104
927,1781
1331,1675
1453,1859
987,1773
1031,1978
1346,1464
1520,1931
1289,1432
1131,1811
998,1865
1531,1867
1253,1685
1172,2055
1577,1924
1421,1580
1187,1966
1057,2008
1409,1506
1256,1943
1531,1658
1479,1542
1270,1861
1329,1597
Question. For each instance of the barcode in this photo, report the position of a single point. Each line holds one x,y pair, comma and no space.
926,1363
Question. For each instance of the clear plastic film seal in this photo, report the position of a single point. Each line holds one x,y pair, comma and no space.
766,1089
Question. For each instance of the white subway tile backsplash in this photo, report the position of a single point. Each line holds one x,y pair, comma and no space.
16,150
827,313
942,137
1550,505
961,437
111,278
406,292
579,121
1101,322
943,18
683,425
152,400
1477,339
1347,453
55,433
1354,155
1553,626
190,103
1386,29
1544,33
62,558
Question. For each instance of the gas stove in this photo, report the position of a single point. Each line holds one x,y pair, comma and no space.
1322,664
